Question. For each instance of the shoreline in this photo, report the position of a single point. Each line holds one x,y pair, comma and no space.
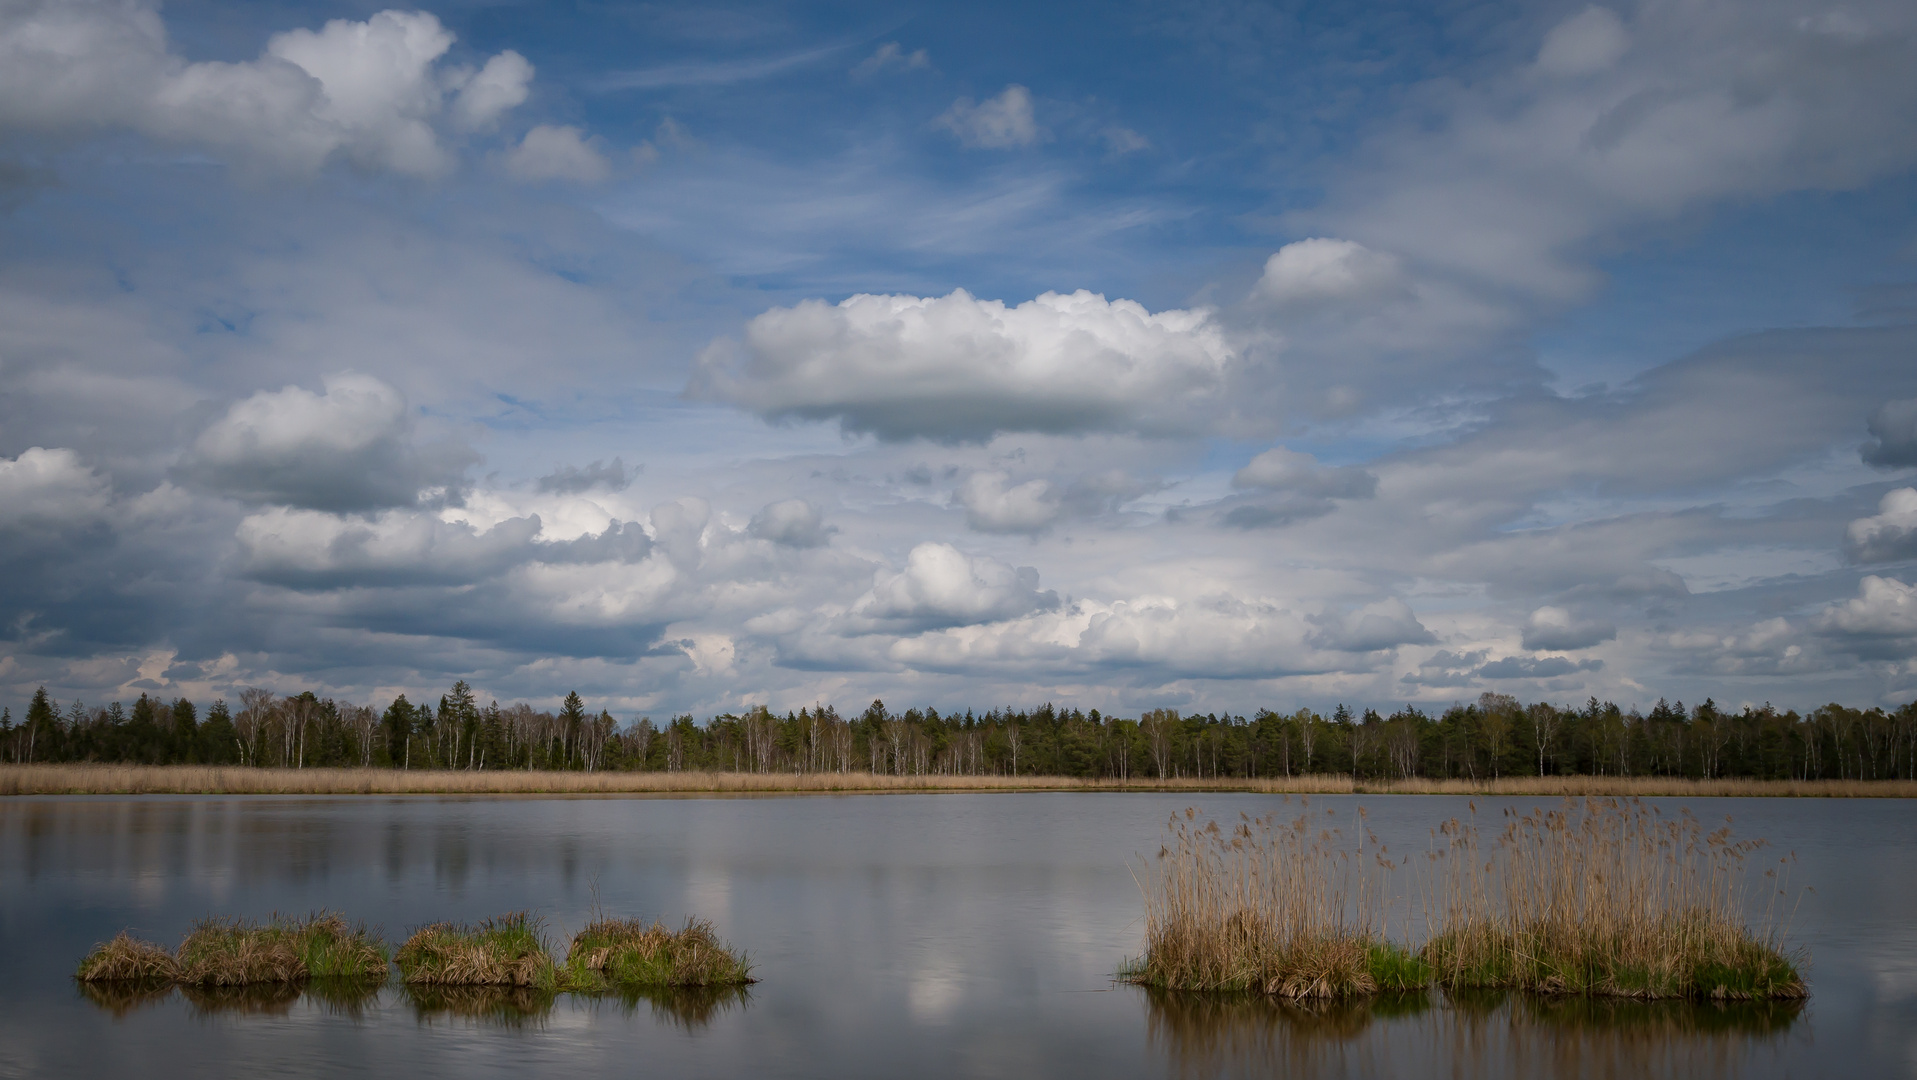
71,779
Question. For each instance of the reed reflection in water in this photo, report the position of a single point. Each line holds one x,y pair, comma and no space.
688,1008
1490,1034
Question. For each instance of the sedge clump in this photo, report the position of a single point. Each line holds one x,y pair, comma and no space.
630,954
236,952
509,950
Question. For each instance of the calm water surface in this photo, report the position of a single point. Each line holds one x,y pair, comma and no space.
935,935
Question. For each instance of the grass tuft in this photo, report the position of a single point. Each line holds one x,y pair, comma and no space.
234,952
627,954
505,951
130,960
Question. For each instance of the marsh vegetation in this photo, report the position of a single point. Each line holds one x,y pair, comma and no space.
501,965
1602,897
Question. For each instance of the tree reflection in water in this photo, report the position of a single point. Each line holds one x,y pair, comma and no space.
1478,1034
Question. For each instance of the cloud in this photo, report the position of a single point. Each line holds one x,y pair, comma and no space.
1275,515
891,57
571,479
1589,42
1483,208
366,92
1447,669
1543,667
1893,435
1322,270
942,586
1004,122
1155,637
318,550
956,369
1883,608
1292,472
45,488
491,92
1553,629
347,448
1891,534
994,504
551,152
1385,624
1123,140
792,522
1307,489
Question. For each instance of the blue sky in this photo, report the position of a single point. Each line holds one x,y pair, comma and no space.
1204,356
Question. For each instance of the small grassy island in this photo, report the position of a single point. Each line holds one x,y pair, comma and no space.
508,952
1603,897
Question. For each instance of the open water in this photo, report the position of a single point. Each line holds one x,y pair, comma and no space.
961,935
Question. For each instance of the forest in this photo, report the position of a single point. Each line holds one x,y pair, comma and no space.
1494,736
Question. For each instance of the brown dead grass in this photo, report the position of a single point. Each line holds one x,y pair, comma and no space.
128,959
214,780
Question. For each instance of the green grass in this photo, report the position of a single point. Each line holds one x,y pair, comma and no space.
627,954
506,951
1680,957
235,952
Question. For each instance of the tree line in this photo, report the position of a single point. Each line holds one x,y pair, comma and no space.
1494,736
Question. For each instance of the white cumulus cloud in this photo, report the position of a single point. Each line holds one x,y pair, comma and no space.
956,368
1321,269
349,447
1890,535
368,92
54,488
943,586
1883,608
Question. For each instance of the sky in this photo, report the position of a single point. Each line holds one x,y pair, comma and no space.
1125,355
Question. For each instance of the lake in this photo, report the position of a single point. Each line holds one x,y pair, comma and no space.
929,935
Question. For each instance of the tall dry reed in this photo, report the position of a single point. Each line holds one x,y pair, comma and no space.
1610,897
1284,907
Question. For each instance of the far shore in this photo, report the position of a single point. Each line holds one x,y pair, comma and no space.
240,780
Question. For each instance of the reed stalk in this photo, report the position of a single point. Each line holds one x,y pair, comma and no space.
1608,897
1603,897
1280,907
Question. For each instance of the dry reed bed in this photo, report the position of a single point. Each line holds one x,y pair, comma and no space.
1601,897
241,780
505,952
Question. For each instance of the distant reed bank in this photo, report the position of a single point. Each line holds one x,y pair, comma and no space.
87,779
